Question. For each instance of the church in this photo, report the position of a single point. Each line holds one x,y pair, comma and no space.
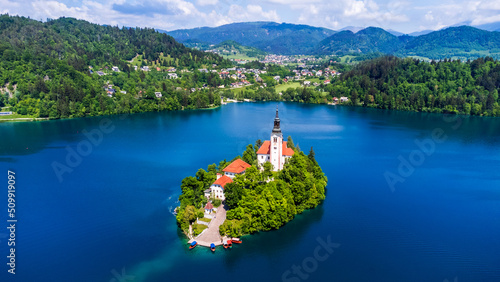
275,150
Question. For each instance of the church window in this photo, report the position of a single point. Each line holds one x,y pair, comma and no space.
275,140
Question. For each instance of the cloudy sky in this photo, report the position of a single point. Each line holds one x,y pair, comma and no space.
404,16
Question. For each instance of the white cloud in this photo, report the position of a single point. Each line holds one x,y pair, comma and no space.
238,13
429,17
401,15
355,8
206,2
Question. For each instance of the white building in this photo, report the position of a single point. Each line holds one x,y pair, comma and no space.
217,188
275,150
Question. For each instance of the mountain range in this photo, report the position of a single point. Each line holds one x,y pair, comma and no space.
270,37
290,39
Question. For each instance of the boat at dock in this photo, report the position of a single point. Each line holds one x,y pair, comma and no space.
194,244
224,244
212,247
229,244
236,240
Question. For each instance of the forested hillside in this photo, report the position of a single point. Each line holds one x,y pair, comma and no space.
462,41
408,84
368,40
45,68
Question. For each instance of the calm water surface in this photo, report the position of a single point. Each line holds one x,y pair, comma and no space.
108,217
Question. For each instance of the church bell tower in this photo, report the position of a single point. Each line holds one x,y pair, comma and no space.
276,150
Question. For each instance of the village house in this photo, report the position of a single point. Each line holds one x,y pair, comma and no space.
116,69
158,94
209,208
344,99
235,168
216,190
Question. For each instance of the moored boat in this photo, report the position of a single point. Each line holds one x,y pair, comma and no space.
236,240
229,244
212,247
224,244
194,244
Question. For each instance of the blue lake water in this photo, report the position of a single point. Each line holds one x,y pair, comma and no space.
108,217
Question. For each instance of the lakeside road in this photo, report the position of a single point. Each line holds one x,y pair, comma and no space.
211,234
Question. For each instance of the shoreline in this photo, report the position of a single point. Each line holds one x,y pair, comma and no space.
28,119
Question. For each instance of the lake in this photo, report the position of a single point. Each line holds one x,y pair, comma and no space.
410,197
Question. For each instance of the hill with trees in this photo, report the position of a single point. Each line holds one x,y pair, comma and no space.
44,68
368,40
408,84
462,42
233,48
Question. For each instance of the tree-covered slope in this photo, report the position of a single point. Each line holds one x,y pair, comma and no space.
462,41
45,69
231,46
368,40
83,43
408,84
268,36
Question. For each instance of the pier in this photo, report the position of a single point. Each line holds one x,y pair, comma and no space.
211,234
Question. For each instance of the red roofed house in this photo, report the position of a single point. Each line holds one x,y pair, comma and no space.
209,207
275,150
217,188
237,167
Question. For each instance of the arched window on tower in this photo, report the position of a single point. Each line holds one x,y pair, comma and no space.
275,139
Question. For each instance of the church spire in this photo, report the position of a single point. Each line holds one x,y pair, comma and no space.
277,128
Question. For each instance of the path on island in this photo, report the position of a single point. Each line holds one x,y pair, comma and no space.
211,234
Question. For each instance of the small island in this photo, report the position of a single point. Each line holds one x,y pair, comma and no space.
260,191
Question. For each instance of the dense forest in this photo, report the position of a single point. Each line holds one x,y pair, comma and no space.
448,86
45,68
409,84
259,200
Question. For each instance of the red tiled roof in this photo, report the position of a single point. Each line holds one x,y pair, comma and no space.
287,151
238,166
265,148
209,206
223,181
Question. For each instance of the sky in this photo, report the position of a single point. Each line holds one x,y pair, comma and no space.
404,16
